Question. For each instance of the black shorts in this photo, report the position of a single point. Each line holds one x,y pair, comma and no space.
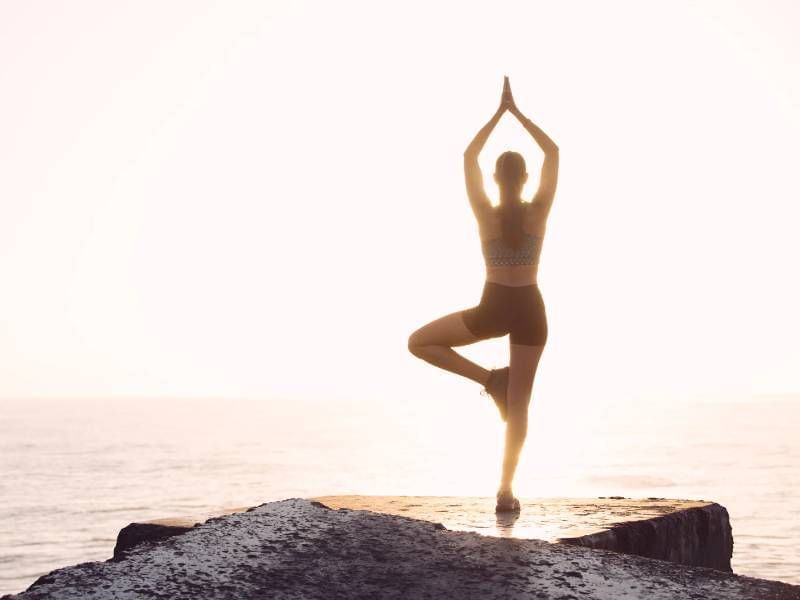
516,310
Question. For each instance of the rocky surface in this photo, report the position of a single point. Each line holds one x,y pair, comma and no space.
699,536
298,548
158,529
687,532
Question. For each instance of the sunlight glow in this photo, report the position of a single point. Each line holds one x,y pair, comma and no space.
264,200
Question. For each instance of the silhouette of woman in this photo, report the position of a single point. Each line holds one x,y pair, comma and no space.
511,237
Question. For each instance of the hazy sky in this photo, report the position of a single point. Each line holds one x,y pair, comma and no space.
250,199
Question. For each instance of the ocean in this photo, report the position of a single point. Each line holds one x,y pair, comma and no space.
74,472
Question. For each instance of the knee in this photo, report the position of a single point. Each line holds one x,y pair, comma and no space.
517,419
414,346
519,397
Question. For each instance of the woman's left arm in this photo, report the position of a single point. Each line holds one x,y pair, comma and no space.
478,198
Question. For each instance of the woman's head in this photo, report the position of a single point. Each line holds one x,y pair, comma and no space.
510,173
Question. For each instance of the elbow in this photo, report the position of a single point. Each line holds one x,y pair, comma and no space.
551,153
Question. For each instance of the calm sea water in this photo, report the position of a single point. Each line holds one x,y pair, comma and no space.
73,473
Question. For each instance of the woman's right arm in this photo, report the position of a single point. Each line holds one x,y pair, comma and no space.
543,199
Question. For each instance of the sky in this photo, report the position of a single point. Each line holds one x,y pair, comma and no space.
265,199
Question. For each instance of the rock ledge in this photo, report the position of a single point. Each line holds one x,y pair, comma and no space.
298,548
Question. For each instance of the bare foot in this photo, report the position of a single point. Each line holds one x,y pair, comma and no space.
506,502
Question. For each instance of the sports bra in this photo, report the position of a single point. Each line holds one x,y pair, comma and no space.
496,253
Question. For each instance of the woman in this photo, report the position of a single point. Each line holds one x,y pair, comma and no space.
511,240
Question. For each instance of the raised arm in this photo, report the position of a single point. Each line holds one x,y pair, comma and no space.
478,198
543,199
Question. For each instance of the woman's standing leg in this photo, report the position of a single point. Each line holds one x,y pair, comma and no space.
522,370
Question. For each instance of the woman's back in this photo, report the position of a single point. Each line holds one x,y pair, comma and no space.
505,264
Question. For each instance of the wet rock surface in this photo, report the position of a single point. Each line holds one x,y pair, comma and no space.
688,532
299,548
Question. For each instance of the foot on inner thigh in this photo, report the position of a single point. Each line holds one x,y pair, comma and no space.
497,388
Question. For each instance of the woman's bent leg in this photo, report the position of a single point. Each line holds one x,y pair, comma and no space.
432,343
